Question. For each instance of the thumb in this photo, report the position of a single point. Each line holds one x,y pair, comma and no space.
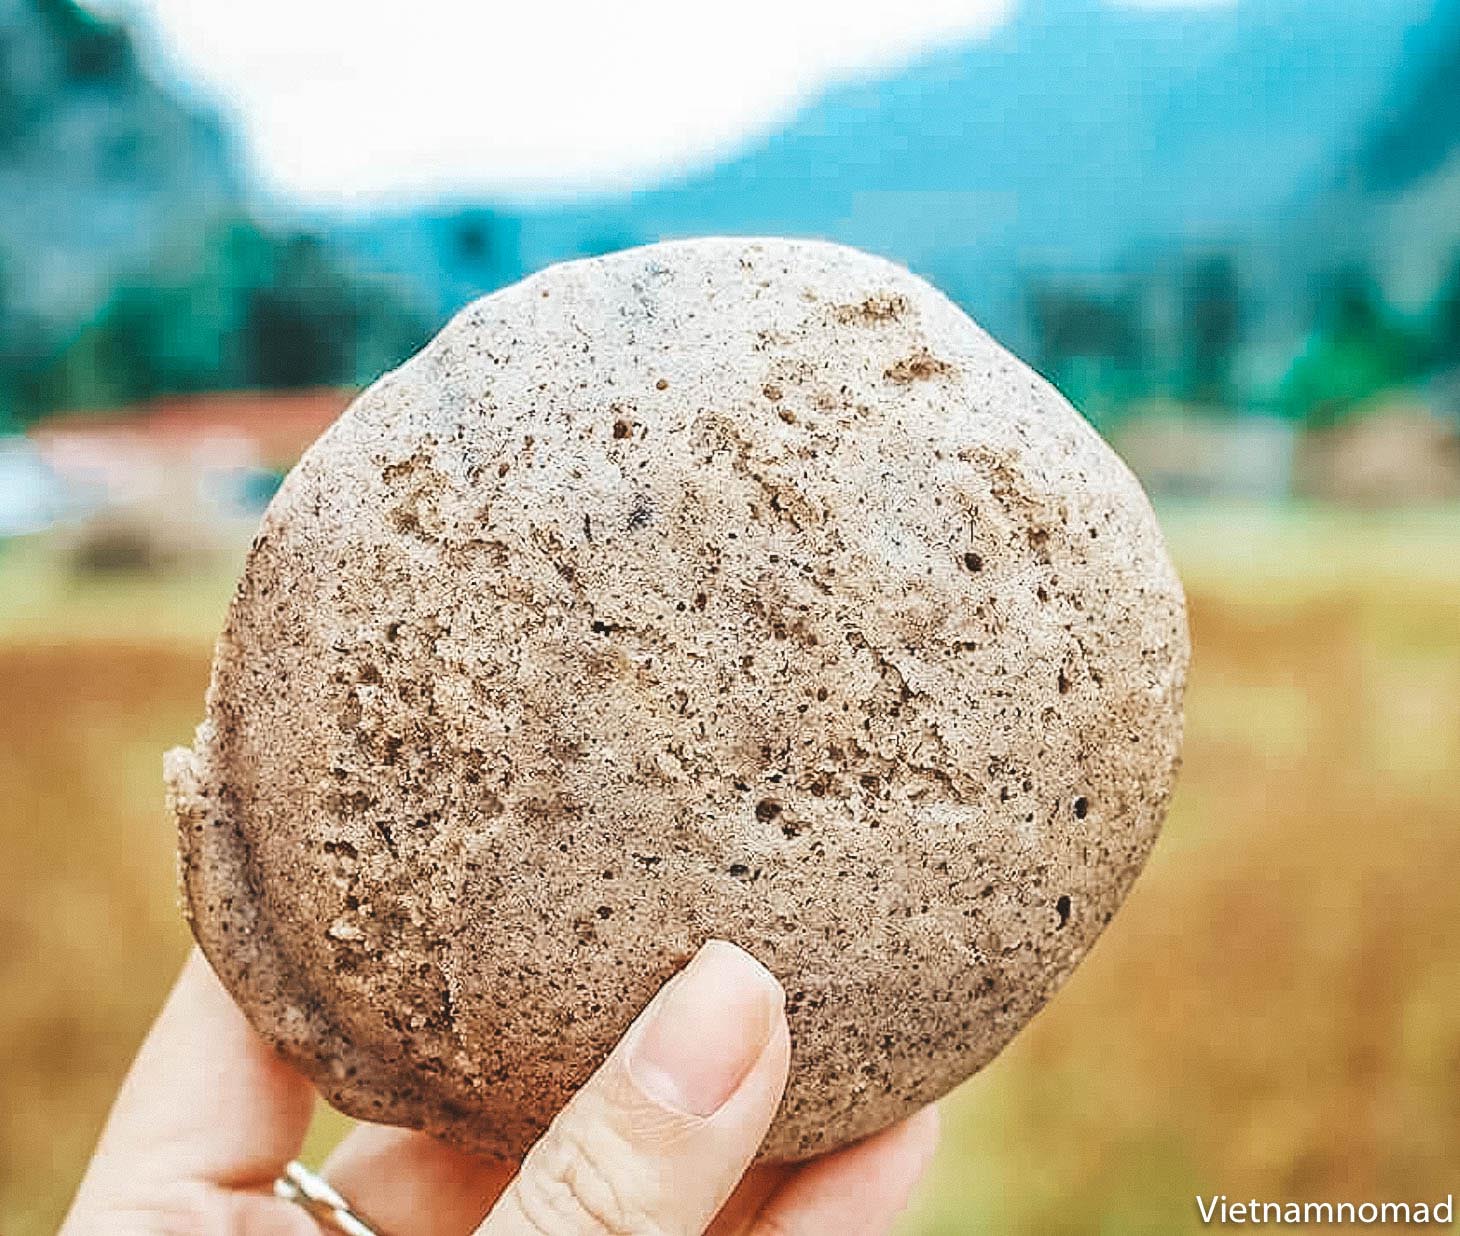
657,1139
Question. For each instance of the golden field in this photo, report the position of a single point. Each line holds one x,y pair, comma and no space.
1276,1013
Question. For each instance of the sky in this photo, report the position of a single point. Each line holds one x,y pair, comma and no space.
349,102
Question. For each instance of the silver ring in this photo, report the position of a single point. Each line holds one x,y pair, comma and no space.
322,1200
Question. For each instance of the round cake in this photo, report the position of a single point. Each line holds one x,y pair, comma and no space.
724,588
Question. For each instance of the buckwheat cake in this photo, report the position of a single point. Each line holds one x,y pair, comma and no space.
721,588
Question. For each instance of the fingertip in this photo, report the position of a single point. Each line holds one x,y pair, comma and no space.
707,1030
898,1156
922,1131
397,1175
860,1189
745,965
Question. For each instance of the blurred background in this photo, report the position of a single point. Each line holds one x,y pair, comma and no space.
1229,231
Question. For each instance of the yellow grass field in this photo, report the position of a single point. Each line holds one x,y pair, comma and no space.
1276,1013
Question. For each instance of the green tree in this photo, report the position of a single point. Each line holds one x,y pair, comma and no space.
300,326
9,412
92,48
1211,322
1089,344
1355,351
240,306
1446,343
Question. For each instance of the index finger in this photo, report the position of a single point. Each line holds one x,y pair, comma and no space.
205,1100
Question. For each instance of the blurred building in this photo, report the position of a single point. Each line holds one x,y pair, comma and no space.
1185,454
200,464
1397,452
32,496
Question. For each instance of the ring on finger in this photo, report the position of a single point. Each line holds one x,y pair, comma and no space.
322,1200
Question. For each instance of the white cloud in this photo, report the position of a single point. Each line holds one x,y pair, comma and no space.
345,100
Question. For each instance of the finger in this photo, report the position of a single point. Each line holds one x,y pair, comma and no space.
749,1198
404,1181
658,1137
206,1100
858,1191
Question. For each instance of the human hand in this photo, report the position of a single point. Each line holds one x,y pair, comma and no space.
657,1142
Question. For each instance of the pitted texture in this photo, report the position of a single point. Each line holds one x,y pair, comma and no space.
719,588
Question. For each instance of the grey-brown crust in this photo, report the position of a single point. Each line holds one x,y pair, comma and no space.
719,588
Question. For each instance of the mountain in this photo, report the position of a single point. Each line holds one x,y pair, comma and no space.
1394,206
133,263
1078,133
100,165
1154,189
1418,132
